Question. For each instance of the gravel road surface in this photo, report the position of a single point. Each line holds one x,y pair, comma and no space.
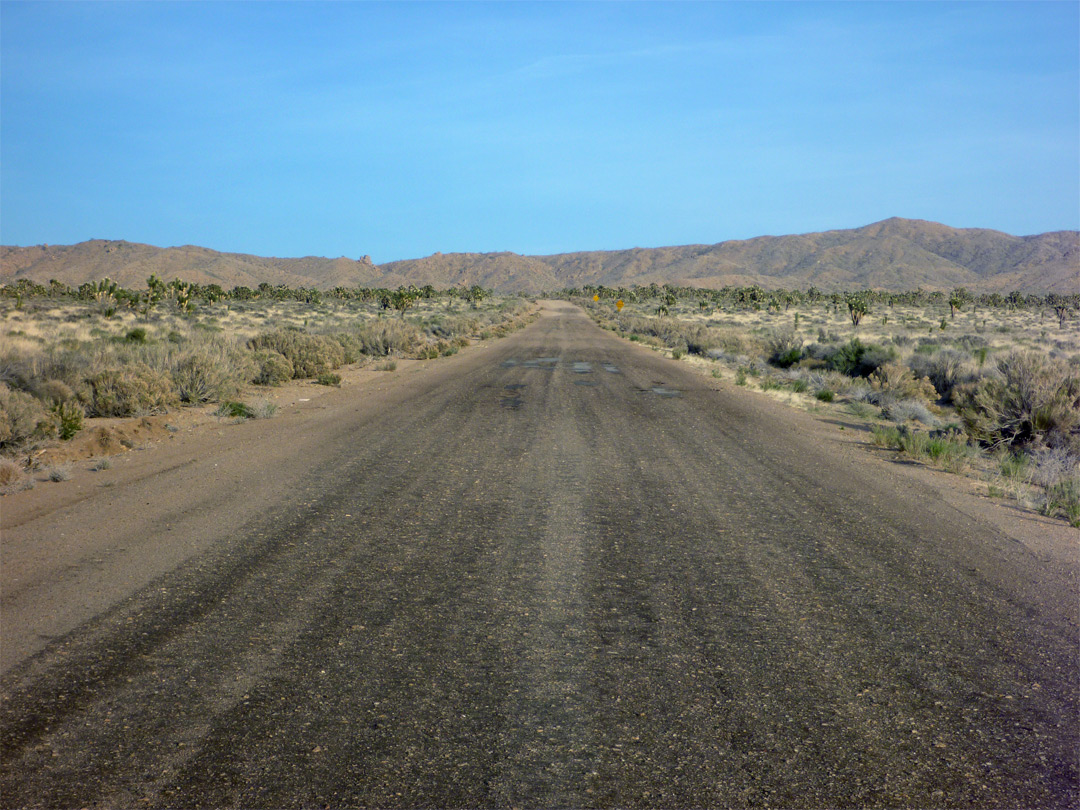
557,571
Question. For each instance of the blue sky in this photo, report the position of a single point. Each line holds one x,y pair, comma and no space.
401,129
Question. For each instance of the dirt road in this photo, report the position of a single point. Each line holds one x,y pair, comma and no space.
557,571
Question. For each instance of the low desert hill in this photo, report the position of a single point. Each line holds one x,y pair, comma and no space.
130,264
895,254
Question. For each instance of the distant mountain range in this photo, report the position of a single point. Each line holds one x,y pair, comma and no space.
895,254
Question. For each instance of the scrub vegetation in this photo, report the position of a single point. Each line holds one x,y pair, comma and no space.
985,385
68,355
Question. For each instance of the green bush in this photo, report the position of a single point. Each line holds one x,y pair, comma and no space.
328,378
68,418
784,348
857,359
233,409
825,395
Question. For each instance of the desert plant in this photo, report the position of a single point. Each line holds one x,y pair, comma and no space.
857,359
905,410
207,373
784,348
381,337
54,391
263,409
233,409
944,369
893,381
67,416
857,306
13,477
271,367
310,355
23,418
1033,400
58,472
129,390
328,378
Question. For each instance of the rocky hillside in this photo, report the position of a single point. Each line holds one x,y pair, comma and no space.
896,254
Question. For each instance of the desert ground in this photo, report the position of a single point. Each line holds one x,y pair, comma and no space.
554,568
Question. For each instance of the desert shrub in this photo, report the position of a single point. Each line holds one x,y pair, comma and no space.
784,348
818,351
1032,400
1050,466
351,344
389,365
858,359
310,355
136,335
452,326
908,410
54,391
271,367
17,370
328,378
67,416
894,381
58,472
885,436
13,477
128,390
380,337
208,373
263,409
1063,498
825,395
428,352
233,409
944,369
22,418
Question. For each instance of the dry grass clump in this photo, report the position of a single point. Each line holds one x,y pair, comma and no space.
13,477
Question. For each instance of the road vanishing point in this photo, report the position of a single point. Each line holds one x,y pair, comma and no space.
557,570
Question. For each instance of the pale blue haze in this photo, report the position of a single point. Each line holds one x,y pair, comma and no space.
401,129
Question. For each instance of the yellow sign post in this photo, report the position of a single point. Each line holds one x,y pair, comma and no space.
618,305
596,298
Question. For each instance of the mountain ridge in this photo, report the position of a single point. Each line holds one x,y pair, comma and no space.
894,254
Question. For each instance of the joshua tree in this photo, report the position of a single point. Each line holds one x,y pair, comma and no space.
857,307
